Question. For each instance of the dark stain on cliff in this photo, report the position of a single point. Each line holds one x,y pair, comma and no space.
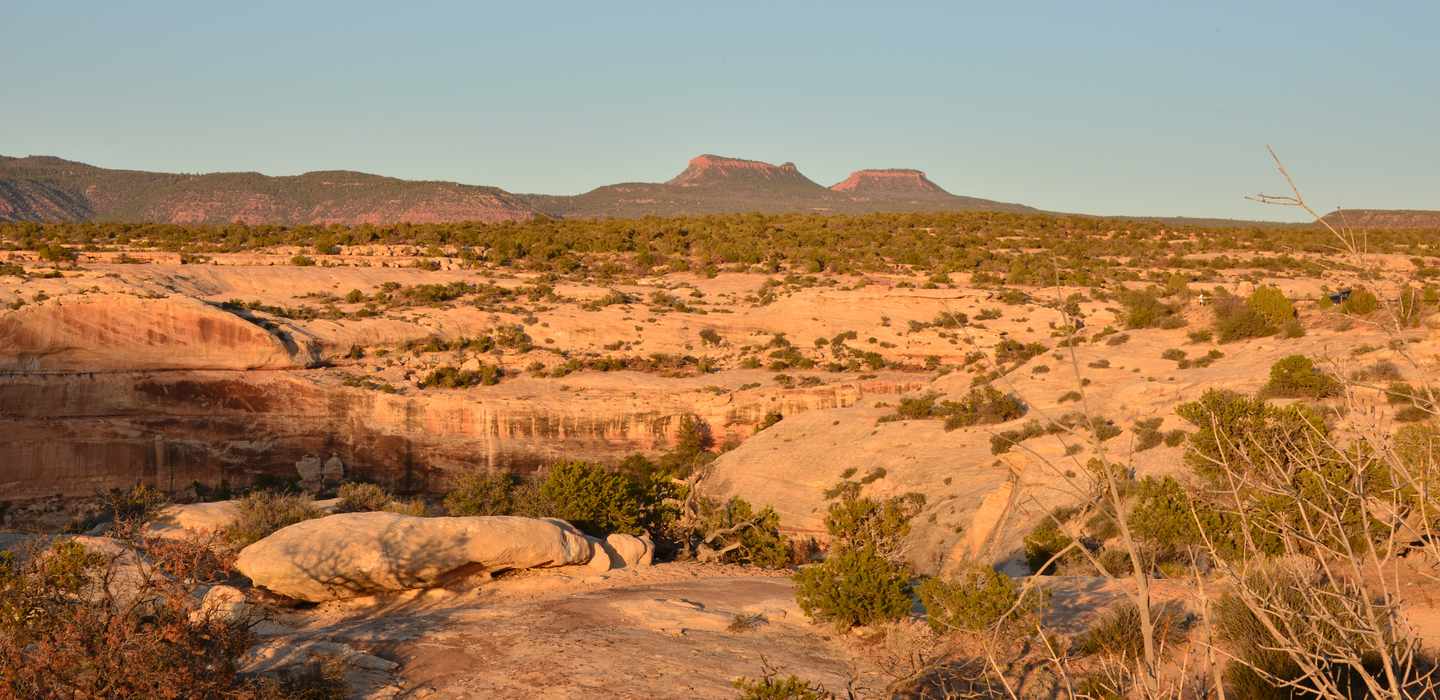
229,394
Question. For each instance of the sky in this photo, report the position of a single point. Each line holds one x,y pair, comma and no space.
1141,108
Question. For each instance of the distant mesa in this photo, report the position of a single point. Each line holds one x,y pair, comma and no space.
1384,218
713,184
49,189
888,181
43,188
714,170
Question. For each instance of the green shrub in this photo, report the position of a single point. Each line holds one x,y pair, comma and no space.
1175,438
1160,515
1043,543
773,686
1361,302
1143,309
135,505
760,544
1296,376
1235,320
1239,430
1409,307
1271,303
977,598
1147,433
302,261
592,498
57,253
448,377
770,419
263,512
482,492
983,405
855,522
1117,632
1011,351
1412,414
854,587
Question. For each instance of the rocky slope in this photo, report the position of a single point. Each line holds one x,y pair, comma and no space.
42,188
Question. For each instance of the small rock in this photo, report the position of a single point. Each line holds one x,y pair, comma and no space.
633,552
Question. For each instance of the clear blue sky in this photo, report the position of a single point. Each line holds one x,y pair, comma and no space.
1102,107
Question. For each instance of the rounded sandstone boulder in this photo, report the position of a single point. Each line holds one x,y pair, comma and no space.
354,554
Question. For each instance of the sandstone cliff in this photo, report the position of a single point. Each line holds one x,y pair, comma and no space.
98,333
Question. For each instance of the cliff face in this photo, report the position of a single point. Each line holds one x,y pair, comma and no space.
98,333
77,433
41,188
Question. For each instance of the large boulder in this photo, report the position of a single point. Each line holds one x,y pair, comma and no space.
353,554
633,552
184,521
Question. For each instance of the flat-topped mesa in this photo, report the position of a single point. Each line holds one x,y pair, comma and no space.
1384,218
888,181
711,169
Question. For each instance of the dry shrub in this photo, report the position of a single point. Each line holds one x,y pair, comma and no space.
1117,633
264,512
359,498
362,498
1324,646
67,630
196,560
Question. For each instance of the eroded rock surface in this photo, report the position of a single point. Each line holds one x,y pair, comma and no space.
353,554
96,333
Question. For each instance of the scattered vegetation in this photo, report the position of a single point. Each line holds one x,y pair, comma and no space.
263,512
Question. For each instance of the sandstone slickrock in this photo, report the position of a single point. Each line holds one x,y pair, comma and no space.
190,520
180,521
354,554
90,333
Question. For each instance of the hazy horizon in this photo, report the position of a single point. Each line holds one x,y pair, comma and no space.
1133,110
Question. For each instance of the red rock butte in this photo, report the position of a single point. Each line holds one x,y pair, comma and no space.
888,181
708,168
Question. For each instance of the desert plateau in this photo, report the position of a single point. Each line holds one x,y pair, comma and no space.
727,351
